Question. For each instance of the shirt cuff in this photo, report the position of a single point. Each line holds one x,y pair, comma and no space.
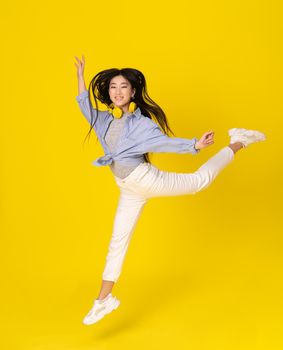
195,151
82,95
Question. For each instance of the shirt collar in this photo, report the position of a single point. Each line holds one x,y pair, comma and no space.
137,112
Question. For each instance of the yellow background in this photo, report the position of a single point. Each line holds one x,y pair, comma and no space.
201,272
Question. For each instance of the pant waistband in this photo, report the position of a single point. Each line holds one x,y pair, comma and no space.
140,169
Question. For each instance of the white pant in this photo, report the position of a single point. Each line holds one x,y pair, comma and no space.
147,181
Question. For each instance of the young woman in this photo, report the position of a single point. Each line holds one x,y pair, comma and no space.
127,134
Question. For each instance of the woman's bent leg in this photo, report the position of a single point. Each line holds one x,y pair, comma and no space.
129,208
163,183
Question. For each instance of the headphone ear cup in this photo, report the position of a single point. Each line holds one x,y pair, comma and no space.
115,111
132,107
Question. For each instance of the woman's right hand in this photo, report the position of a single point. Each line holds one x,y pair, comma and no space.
80,66
205,141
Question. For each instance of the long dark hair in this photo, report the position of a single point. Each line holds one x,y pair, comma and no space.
99,86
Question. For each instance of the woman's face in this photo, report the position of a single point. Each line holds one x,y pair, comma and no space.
120,92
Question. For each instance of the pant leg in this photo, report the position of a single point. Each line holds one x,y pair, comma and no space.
156,182
129,208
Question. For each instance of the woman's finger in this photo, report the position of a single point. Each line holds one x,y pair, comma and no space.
209,139
208,134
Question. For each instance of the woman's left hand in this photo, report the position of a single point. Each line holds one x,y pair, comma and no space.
205,141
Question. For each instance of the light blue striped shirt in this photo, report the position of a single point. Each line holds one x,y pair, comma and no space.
140,135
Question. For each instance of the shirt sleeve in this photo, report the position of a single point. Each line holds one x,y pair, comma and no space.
158,142
86,107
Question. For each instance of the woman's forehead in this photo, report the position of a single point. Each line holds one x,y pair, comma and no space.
119,79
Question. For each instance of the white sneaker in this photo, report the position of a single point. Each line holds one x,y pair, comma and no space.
101,308
246,137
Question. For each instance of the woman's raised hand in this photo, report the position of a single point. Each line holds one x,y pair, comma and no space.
80,66
205,141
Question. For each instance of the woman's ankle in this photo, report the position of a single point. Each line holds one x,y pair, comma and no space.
102,296
236,146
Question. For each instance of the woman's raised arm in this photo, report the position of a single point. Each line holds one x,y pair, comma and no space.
80,74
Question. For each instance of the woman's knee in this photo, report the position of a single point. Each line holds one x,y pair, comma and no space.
203,180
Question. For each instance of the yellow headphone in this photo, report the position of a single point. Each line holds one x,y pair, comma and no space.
118,112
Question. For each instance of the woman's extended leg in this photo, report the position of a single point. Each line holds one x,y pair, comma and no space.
158,183
129,208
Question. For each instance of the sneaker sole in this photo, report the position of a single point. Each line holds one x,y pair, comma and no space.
247,132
